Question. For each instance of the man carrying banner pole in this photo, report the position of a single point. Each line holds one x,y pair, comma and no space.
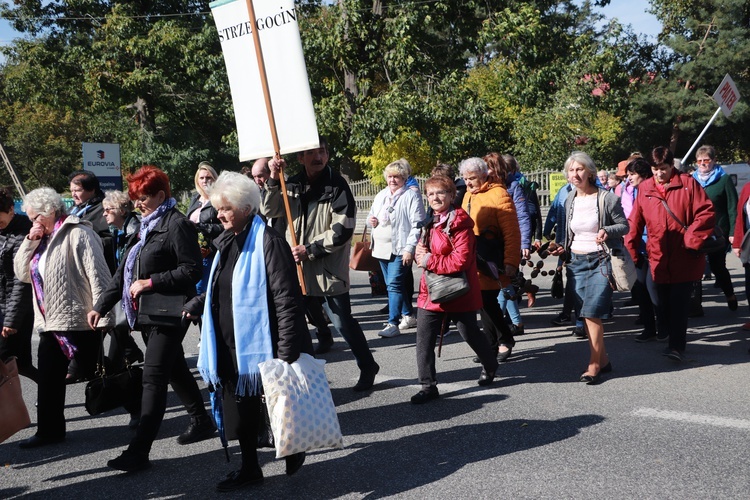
323,217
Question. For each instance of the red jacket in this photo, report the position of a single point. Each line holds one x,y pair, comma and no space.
739,225
668,244
451,253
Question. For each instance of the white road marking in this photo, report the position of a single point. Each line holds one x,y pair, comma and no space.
693,418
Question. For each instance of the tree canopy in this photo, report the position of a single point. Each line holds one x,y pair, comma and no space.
432,81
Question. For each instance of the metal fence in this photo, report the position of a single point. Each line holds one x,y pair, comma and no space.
364,192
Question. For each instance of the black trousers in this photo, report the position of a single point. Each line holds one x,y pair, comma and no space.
53,366
19,345
429,324
314,311
717,261
672,312
493,321
164,364
122,349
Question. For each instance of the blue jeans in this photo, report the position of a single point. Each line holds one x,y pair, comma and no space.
510,304
398,303
339,309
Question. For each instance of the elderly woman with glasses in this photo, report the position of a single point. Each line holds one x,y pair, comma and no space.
596,225
448,246
253,311
722,193
63,259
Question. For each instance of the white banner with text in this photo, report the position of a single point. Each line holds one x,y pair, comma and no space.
276,22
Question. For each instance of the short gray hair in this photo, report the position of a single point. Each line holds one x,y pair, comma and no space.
585,160
399,167
45,201
236,189
473,165
117,199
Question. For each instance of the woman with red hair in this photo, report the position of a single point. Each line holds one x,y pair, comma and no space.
164,257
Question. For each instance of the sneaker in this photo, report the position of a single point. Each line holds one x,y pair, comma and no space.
407,322
424,396
389,331
561,320
673,354
579,332
645,337
662,337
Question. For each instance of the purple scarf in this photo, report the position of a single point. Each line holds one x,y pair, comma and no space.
147,224
38,283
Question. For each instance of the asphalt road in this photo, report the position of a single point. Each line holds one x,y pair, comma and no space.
652,429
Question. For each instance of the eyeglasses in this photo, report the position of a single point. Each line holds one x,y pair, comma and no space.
109,210
701,161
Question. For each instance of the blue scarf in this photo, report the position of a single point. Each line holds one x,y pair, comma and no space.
147,224
713,176
252,329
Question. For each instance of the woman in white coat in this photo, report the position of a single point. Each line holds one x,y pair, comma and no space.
394,216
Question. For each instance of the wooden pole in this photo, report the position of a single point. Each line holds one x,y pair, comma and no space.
274,133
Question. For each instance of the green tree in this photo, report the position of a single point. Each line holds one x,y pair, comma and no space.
148,75
707,39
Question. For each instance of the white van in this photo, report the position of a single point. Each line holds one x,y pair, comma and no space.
740,174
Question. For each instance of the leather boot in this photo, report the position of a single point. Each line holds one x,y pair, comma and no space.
200,428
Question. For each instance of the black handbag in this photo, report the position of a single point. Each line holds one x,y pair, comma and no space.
161,309
108,392
446,287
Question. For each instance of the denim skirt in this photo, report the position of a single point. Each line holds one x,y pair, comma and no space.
589,275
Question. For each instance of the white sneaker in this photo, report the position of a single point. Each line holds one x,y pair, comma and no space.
407,322
389,331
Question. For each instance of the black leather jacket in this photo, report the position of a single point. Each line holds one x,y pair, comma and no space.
170,257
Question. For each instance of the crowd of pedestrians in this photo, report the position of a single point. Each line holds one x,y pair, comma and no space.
234,264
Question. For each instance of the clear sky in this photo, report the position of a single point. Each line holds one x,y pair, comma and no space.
631,12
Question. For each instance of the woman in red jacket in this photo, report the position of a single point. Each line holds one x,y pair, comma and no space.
740,246
449,246
672,250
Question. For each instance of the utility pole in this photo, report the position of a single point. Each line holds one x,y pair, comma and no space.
16,181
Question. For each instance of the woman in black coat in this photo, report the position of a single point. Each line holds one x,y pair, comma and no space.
254,267
17,312
204,216
164,259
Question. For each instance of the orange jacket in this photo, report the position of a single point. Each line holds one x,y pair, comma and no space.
492,209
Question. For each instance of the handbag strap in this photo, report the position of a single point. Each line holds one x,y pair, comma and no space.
364,233
101,369
669,211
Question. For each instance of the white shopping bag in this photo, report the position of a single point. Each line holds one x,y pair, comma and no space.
300,406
